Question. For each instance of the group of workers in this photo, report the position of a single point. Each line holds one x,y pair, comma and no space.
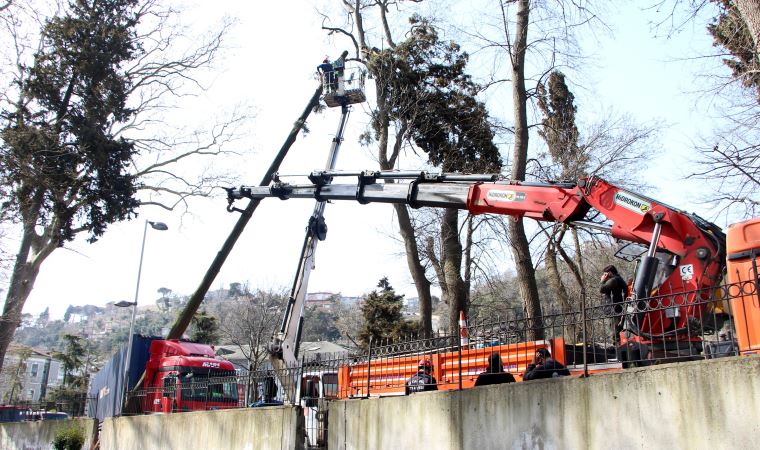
614,289
331,74
543,366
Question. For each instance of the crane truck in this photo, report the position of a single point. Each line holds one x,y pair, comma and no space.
684,260
682,265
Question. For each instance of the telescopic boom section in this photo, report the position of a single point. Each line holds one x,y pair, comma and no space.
285,343
686,253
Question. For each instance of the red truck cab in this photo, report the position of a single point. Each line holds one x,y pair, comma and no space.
177,378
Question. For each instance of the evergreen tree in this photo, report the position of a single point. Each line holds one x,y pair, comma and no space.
62,168
73,392
67,314
422,86
320,325
72,359
44,317
72,127
732,32
558,128
382,315
205,328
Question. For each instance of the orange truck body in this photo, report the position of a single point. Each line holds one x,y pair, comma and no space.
743,250
387,376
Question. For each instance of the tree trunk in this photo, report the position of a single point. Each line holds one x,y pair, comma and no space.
526,279
468,257
579,256
22,281
526,274
555,279
421,283
558,287
406,229
750,11
452,268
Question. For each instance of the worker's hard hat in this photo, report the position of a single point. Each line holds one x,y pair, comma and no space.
424,362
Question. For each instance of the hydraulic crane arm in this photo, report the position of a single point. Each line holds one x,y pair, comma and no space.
685,253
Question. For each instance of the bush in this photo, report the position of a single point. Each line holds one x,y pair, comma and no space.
71,438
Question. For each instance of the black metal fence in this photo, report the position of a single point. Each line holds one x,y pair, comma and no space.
74,406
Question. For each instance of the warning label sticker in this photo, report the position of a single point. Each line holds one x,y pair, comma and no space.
505,196
687,271
632,202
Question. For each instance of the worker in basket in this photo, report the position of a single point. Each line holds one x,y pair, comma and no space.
327,72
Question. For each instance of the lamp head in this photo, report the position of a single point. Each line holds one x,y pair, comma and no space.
124,304
160,226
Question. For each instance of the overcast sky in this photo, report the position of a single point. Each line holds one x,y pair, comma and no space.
274,50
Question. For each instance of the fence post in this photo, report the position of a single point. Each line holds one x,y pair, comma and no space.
585,335
460,362
369,363
298,392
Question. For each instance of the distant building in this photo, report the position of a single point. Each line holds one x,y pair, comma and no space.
324,299
350,301
412,304
31,380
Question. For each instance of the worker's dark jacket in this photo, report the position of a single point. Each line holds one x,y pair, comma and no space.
325,67
615,290
421,382
486,378
548,369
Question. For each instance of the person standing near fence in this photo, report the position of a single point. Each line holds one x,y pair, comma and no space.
615,291
423,380
495,373
544,366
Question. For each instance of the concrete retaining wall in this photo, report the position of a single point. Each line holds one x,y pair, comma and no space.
697,405
40,434
249,429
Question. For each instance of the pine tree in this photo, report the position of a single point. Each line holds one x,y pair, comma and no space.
422,86
44,318
382,315
731,31
72,360
205,328
558,127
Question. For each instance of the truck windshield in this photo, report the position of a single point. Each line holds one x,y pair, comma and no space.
330,382
209,386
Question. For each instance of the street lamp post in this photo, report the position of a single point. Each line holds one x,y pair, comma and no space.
160,226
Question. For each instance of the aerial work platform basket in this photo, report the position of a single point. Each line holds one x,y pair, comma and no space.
343,86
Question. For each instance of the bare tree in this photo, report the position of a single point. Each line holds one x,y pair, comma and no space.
517,237
727,158
250,324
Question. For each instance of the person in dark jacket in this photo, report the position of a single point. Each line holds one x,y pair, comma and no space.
615,291
422,380
544,366
327,72
495,373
